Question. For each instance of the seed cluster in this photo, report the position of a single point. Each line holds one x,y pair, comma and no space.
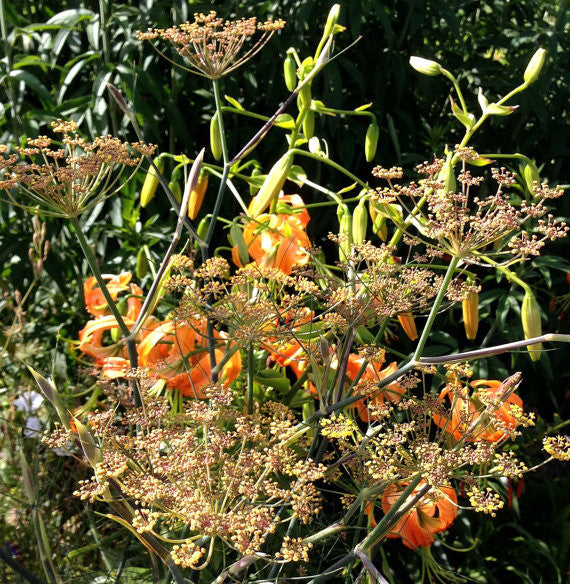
67,181
212,46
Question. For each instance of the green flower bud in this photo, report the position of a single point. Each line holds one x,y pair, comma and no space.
151,182
236,235
530,174
309,124
359,223
532,327
448,176
174,186
332,19
290,72
345,233
425,66
253,188
304,97
371,141
215,137
534,67
142,263
273,184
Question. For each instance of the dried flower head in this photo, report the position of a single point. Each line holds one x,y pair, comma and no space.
213,46
67,181
459,222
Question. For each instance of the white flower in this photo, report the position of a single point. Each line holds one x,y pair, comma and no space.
29,402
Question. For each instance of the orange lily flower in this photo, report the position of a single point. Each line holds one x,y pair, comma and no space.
179,354
426,518
278,240
95,301
374,373
468,409
112,358
91,337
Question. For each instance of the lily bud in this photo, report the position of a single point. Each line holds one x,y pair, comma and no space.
202,230
151,182
174,186
381,227
409,325
273,184
197,196
470,308
215,138
425,66
532,327
359,223
309,124
240,253
290,72
304,97
332,19
530,174
371,141
534,66
345,232
142,265
448,176
253,188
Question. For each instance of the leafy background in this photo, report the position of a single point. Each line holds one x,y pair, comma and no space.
57,59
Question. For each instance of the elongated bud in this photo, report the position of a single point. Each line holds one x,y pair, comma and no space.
359,223
174,186
425,66
447,175
304,97
532,327
309,124
380,227
202,229
530,174
273,184
345,232
197,196
254,189
151,182
470,308
371,141
215,137
534,66
409,325
290,72
240,253
142,263
332,19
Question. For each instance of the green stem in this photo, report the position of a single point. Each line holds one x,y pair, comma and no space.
457,89
496,350
330,163
510,275
389,519
226,167
250,375
435,307
130,342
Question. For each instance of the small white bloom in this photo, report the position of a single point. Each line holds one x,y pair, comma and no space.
29,402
